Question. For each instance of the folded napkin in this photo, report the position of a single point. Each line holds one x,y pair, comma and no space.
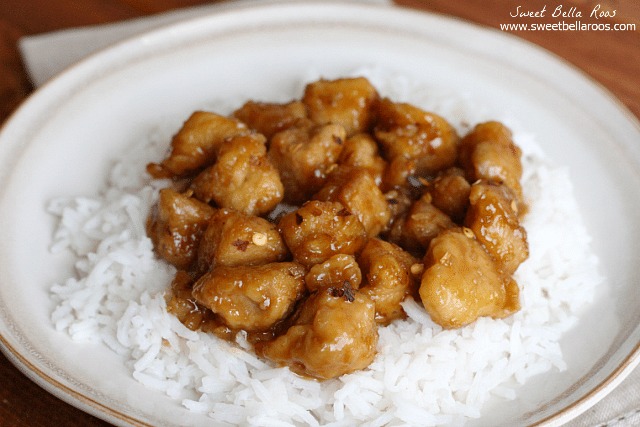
620,408
48,54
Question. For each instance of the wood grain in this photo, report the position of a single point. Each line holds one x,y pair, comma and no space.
610,58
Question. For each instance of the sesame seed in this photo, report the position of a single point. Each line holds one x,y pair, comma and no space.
417,269
259,239
468,232
445,258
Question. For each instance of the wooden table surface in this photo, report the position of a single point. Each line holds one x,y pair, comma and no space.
612,58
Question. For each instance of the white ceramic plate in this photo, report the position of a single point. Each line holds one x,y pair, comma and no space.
61,142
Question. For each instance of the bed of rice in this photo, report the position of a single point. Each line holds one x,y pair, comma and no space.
422,374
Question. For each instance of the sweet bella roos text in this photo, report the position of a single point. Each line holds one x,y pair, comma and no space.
560,11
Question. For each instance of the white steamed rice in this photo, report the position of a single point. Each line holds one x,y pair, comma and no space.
422,374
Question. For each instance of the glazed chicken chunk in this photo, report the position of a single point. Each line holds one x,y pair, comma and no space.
488,153
242,177
176,225
334,333
318,230
347,102
233,238
421,223
334,272
361,151
251,298
450,193
270,118
398,173
387,278
493,217
194,146
399,201
461,282
182,304
421,141
304,155
357,191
